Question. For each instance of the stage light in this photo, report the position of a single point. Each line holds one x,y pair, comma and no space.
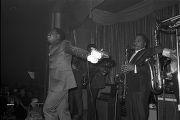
96,55
92,59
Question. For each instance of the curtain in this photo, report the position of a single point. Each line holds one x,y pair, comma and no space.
134,12
117,37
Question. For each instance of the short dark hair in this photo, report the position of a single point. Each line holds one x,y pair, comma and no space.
61,32
91,45
144,38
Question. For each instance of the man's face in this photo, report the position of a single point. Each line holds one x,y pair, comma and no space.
53,37
138,43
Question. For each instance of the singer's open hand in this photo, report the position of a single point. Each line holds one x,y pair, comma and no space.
127,68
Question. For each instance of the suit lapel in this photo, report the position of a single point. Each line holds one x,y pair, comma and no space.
138,56
130,54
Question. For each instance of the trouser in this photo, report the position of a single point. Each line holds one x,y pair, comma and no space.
137,106
91,99
56,106
75,99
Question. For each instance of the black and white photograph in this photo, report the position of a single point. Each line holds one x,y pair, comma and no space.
90,60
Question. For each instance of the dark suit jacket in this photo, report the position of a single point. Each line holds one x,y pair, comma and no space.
78,69
96,77
61,76
140,81
99,72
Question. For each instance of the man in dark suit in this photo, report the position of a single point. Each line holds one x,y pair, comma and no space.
138,79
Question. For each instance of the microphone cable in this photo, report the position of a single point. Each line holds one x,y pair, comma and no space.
115,105
90,90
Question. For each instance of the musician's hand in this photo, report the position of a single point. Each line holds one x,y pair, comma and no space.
173,55
127,68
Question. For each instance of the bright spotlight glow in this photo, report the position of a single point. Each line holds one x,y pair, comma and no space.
92,59
96,54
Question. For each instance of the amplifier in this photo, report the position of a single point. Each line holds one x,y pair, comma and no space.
167,97
167,107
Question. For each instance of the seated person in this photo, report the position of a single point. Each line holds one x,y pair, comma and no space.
21,104
34,111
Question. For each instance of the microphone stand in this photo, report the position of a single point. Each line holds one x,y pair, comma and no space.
178,69
126,61
117,101
159,76
89,88
115,104
118,87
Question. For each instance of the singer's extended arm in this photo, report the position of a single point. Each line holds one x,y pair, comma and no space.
73,50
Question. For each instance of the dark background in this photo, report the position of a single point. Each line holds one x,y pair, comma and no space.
24,25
